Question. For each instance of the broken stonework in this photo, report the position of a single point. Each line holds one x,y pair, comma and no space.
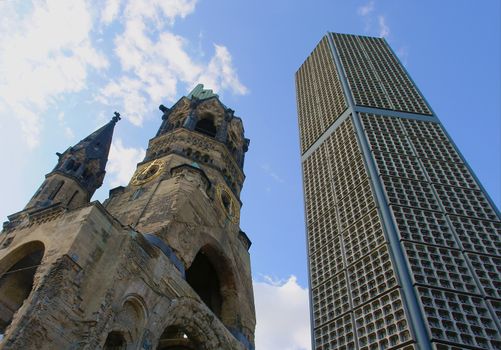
162,264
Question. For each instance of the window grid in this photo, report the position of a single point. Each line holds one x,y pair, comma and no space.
459,318
320,96
382,323
448,230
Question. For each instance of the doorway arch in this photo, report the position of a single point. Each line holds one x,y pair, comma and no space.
17,277
212,277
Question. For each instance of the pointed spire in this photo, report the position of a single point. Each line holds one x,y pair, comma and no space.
86,161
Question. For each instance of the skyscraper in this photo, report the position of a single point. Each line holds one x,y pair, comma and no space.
404,244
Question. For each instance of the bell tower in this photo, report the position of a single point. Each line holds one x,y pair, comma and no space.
161,265
186,193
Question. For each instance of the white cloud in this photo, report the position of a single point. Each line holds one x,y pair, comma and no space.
366,9
122,162
283,320
367,13
220,74
403,54
110,11
133,100
150,9
68,132
154,60
45,53
269,171
384,30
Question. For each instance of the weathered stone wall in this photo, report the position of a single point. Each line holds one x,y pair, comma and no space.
183,210
96,277
162,264
60,189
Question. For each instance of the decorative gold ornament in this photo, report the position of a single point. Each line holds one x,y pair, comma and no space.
148,172
228,203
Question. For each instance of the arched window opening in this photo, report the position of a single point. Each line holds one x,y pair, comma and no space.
16,284
206,126
87,173
70,164
72,197
226,201
203,278
137,193
175,338
57,187
131,320
115,341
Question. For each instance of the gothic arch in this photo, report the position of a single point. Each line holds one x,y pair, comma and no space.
17,271
211,274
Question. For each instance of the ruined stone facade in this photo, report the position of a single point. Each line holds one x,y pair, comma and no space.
162,264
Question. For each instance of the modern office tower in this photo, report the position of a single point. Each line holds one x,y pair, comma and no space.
404,244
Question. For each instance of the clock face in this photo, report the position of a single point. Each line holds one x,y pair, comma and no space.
228,203
148,172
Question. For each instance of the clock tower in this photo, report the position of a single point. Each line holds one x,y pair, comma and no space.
161,264
186,193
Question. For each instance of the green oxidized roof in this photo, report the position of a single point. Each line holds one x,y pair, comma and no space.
201,93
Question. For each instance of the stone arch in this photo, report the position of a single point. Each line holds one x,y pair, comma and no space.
129,323
211,275
206,124
185,316
138,303
17,271
176,338
115,340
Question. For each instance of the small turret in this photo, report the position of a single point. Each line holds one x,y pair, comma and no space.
79,171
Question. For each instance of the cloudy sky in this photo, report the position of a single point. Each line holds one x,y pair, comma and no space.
65,66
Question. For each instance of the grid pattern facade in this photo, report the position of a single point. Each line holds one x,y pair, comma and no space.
356,299
375,76
381,189
448,230
320,98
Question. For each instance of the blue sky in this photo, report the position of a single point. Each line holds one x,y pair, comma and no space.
65,66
